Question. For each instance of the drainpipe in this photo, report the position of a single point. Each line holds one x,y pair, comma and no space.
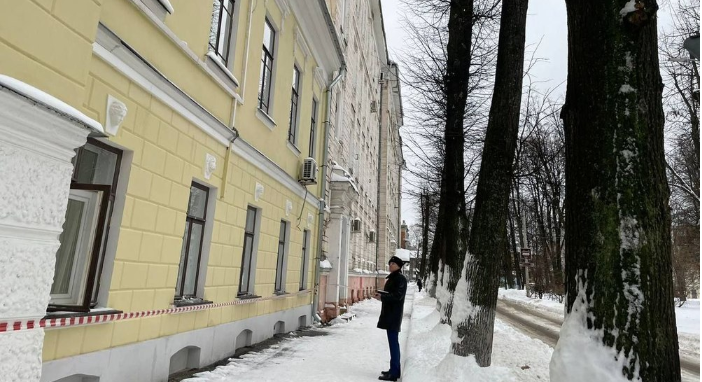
381,82
323,199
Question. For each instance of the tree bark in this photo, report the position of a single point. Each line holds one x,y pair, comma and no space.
477,292
449,244
618,245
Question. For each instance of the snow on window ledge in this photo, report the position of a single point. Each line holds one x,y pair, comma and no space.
325,264
49,101
294,149
215,63
266,119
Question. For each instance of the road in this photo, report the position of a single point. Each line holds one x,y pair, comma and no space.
545,327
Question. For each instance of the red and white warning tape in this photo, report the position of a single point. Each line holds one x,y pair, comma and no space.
18,325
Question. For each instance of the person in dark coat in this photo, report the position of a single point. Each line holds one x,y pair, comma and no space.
419,284
393,299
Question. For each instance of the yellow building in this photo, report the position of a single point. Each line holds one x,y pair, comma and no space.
191,228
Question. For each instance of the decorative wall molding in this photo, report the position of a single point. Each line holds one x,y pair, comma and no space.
115,113
284,7
258,191
38,136
288,207
300,40
210,165
321,77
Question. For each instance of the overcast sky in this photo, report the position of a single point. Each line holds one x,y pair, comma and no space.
546,27
546,24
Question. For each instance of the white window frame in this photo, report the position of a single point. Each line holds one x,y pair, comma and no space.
306,242
295,99
282,260
84,248
254,251
273,57
231,47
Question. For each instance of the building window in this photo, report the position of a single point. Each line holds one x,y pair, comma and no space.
280,267
264,85
294,100
191,254
313,129
79,258
245,284
305,259
221,28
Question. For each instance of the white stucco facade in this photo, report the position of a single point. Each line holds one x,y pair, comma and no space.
38,135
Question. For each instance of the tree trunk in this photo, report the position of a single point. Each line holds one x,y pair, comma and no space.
449,244
618,245
477,292
424,205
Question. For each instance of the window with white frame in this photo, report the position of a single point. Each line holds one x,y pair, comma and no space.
191,252
247,256
267,54
294,103
221,29
305,259
313,129
79,259
280,267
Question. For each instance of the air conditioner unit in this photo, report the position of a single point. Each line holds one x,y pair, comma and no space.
374,106
356,225
371,236
309,172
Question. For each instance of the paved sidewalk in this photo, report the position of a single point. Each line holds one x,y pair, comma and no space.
353,351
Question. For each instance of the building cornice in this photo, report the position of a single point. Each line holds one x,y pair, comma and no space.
129,63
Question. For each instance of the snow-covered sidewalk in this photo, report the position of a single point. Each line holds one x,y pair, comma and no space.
353,351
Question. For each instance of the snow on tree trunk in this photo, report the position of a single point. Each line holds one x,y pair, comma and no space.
473,314
620,320
449,244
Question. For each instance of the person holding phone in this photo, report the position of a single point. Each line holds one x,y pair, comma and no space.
393,298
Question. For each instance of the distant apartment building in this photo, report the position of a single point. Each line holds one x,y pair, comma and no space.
159,209
364,148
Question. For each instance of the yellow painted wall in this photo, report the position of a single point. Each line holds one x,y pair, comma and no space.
48,44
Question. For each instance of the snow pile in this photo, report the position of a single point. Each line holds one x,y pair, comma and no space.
580,355
462,309
325,264
687,316
403,254
519,296
629,7
516,357
52,102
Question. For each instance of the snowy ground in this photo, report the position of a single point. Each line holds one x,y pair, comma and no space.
357,350
353,351
515,357
687,317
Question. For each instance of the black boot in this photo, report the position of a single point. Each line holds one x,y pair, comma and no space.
387,377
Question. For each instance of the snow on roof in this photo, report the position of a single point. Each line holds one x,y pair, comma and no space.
341,178
48,100
325,264
403,254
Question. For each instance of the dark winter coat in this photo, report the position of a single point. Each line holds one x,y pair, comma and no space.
393,302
